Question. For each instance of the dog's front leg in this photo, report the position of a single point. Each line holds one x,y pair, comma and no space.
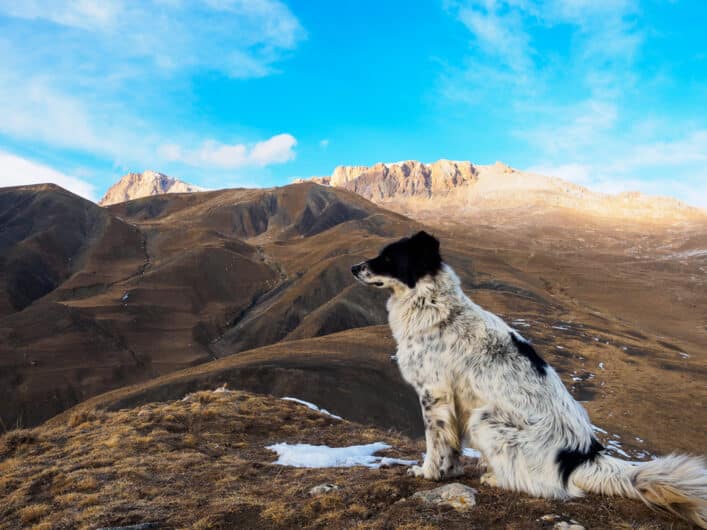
441,436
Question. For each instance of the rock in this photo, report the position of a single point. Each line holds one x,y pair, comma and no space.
148,183
324,488
564,525
458,496
404,179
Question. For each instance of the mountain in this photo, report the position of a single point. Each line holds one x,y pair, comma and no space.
447,189
95,298
145,184
178,292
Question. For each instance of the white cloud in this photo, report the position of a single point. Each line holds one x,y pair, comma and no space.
324,143
511,54
97,76
673,168
242,38
275,150
571,128
687,150
18,171
34,111
498,35
578,173
84,14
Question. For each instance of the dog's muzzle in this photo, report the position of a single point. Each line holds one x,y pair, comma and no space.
362,274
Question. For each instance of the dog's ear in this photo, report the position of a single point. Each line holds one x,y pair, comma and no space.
429,243
427,259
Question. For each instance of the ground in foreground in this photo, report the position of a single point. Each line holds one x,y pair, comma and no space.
202,462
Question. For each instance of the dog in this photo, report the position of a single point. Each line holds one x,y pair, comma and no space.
482,384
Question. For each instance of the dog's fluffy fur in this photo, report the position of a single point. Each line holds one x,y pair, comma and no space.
482,384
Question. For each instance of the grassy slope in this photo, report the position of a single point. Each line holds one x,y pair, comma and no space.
202,463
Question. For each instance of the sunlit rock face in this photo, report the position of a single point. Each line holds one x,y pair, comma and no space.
145,184
447,187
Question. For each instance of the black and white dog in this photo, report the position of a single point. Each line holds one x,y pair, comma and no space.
481,383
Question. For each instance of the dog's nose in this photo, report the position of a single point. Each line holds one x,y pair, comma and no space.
356,269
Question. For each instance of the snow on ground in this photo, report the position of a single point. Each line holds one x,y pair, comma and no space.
312,406
471,453
614,446
317,456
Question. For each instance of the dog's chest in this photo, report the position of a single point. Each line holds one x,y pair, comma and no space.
422,358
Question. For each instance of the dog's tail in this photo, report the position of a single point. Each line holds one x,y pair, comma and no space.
677,483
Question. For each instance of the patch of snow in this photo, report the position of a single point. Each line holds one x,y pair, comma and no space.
471,453
615,447
125,296
222,390
601,366
690,253
313,407
684,355
560,347
599,429
318,456
564,328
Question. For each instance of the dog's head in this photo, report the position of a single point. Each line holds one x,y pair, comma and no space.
401,263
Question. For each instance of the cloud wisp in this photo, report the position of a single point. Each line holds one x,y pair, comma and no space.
276,150
563,78
97,77
18,171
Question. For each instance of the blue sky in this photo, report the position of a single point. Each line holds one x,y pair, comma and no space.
222,93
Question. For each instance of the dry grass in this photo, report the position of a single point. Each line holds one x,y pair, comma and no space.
202,463
33,512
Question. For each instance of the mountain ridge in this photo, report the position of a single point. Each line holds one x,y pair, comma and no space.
408,186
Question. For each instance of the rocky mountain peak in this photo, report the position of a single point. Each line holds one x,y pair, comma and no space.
407,179
453,185
135,185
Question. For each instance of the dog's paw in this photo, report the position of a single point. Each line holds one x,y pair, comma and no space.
428,473
416,471
489,479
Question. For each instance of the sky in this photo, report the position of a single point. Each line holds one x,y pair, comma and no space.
611,94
